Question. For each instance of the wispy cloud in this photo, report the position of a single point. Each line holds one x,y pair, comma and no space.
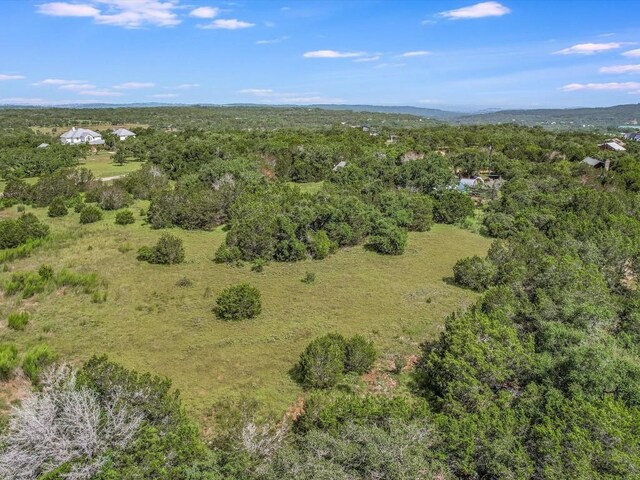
121,13
575,87
632,53
332,54
22,101
101,93
267,95
134,85
620,69
4,76
204,12
58,82
588,48
479,10
272,41
77,86
368,59
390,65
418,53
184,86
227,24
164,95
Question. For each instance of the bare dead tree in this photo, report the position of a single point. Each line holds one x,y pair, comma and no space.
65,423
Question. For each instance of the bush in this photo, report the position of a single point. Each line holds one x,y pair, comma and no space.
145,254
389,239
238,302
57,208
167,251
125,217
258,265
360,355
184,282
422,209
321,364
114,197
474,273
90,214
8,360
309,278
45,272
36,360
453,207
320,245
18,320
227,254
17,232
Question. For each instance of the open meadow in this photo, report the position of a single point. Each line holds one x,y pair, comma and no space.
150,324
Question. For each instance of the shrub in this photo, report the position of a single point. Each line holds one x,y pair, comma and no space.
184,282
320,245
90,214
360,355
8,360
114,197
17,232
125,217
227,254
36,360
258,265
45,272
422,209
238,302
474,273
145,254
57,208
389,239
18,320
321,364
453,207
309,278
168,250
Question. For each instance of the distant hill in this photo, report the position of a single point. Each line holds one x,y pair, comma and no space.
432,113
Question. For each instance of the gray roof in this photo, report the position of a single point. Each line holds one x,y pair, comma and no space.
97,141
123,132
43,145
341,164
592,162
613,146
79,133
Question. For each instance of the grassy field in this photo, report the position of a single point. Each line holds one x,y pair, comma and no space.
150,324
101,164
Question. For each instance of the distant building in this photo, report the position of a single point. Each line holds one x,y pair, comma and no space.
81,135
595,163
613,146
123,134
339,165
635,136
43,145
466,183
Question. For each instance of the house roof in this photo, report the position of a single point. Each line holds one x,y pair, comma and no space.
592,162
79,133
340,164
123,132
43,145
97,141
613,146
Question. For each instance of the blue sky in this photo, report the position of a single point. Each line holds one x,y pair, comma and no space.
442,54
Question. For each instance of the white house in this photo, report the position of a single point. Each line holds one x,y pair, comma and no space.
81,135
123,134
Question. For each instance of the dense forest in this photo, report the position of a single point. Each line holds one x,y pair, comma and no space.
539,379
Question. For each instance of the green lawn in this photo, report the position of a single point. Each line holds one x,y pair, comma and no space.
102,166
150,324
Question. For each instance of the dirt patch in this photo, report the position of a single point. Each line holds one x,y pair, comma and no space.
14,390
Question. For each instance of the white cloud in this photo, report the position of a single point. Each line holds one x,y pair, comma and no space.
368,59
58,82
204,12
134,85
632,53
77,86
227,24
332,54
267,95
417,53
588,48
10,77
620,69
479,10
272,41
390,65
101,93
121,13
165,95
63,9
184,86
574,87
